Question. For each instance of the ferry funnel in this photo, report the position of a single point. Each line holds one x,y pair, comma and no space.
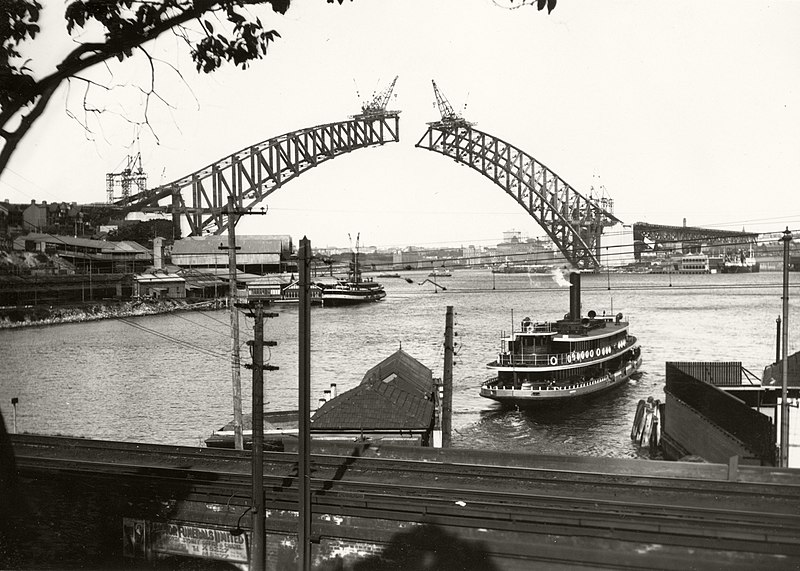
575,296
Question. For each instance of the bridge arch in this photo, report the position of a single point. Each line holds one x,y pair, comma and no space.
253,173
573,221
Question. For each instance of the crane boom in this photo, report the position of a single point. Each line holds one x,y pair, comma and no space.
445,109
449,116
379,101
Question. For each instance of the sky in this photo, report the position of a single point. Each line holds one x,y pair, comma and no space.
680,110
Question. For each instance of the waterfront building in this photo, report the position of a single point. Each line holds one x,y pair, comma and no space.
255,254
616,246
89,256
407,258
159,285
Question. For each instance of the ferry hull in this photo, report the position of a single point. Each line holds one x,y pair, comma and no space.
546,397
337,299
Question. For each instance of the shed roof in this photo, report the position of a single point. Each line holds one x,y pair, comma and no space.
245,245
394,395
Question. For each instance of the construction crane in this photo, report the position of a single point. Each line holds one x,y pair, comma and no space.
379,102
446,110
125,181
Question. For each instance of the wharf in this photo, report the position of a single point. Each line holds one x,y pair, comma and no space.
505,511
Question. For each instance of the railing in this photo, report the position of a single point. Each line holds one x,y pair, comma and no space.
558,359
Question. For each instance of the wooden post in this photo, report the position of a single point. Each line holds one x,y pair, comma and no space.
787,238
304,421
447,379
258,553
235,359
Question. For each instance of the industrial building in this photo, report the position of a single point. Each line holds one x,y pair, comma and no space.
254,254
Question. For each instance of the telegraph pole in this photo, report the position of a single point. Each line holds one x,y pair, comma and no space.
447,379
304,424
236,379
258,551
787,238
235,359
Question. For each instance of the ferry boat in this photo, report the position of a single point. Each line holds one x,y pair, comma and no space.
569,359
353,290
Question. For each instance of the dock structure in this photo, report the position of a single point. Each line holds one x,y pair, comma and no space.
89,503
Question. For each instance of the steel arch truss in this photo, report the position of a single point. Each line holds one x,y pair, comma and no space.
252,174
572,221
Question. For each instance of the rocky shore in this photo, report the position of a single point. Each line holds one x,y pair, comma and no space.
40,315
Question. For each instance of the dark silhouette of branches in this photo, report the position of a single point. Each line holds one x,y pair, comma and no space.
127,25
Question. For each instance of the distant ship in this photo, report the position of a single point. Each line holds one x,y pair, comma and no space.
352,290
543,364
521,269
440,273
740,263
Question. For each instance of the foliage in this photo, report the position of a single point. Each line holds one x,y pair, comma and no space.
143,232
126,26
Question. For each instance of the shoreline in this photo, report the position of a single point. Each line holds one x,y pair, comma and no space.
38,316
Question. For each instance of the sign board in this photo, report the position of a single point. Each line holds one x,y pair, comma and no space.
142,538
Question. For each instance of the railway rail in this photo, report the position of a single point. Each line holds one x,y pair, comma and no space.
694,513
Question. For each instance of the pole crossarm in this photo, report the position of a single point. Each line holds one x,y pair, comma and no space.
253,173
573,221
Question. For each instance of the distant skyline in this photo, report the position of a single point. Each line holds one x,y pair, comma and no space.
679,110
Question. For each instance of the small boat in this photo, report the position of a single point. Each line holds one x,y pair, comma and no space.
556,362
277,425
440,273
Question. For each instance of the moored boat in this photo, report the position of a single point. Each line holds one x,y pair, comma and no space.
354,289
740,263
545,363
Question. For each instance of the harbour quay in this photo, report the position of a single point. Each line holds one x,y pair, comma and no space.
83,503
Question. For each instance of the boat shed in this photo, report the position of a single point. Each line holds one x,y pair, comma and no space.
393,403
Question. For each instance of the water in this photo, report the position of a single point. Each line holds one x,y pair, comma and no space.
166,379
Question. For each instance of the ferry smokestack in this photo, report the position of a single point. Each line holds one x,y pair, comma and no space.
575,296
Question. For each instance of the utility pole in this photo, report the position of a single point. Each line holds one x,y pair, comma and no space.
304,424
235,359
236,380
447,379
258,551
787,238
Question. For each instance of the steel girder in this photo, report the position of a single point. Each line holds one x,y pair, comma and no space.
252,174
572,221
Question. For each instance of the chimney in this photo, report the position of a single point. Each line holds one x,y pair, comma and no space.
326,395
158,253
333,390
575,296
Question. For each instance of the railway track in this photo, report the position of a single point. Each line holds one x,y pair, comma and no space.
555,513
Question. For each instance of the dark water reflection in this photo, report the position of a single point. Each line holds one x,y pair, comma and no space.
166,379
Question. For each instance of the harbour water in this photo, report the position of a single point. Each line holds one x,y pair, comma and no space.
166,378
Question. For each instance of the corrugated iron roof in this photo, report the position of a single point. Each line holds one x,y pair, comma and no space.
246,244
397,398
